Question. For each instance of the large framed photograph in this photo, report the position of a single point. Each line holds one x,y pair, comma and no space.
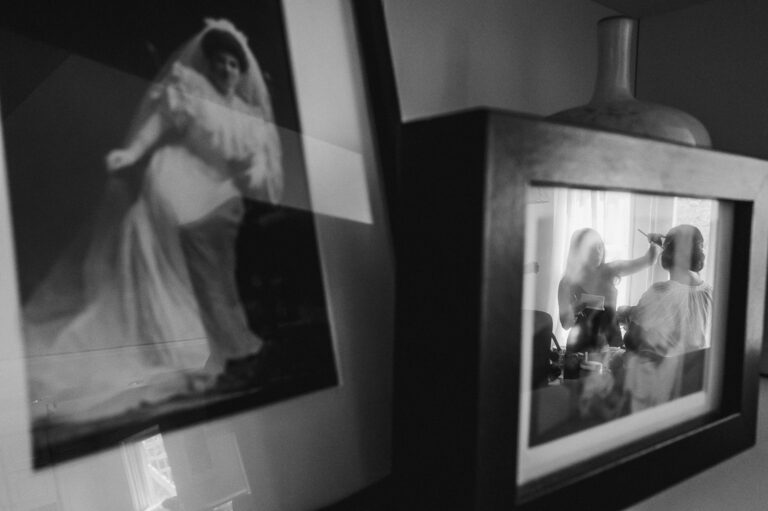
171,216
607,320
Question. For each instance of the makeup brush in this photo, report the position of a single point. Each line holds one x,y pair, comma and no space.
648,238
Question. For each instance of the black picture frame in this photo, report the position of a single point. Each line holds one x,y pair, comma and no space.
68,35
458,353
385,111
346,232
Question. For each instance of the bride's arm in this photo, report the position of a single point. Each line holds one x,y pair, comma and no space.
144,138
260,176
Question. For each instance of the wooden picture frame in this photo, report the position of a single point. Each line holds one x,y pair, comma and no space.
345,198
460,352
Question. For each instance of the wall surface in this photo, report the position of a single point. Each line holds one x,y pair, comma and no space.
529,56
709,60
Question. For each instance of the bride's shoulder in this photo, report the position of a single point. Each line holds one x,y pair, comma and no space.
181,81
189,80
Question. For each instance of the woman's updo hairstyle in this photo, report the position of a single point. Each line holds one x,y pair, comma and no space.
679,238
220,41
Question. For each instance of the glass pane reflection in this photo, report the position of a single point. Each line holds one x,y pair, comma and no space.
149,473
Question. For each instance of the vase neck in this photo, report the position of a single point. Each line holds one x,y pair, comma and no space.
615,59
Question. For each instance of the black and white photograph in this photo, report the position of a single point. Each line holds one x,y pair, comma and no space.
620,314
374,255
167,256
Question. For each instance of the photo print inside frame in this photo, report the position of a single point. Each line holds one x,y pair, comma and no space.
621,335
168,265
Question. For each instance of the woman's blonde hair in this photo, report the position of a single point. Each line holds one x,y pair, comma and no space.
574,264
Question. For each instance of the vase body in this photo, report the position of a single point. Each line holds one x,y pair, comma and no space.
613,105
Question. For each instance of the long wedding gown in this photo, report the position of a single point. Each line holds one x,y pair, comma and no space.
131,318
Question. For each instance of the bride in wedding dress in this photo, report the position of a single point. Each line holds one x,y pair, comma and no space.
152,304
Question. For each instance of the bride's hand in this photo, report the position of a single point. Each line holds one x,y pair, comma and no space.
245,173
240,165
120,158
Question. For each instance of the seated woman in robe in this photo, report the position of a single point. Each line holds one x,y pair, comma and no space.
671,319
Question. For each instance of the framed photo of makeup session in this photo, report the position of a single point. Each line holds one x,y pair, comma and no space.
184,198
599,303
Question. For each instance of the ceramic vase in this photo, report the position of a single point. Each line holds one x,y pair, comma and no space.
613,105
